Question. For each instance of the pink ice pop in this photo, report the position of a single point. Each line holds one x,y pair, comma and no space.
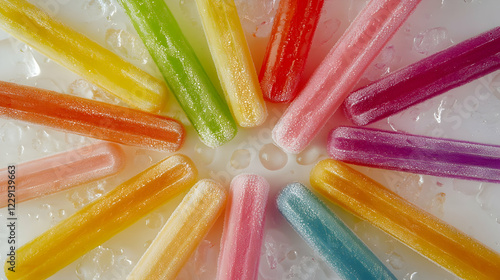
243,228
425,79
339,72
61,171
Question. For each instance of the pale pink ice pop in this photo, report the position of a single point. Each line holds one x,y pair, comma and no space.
61,171
339,72
243,228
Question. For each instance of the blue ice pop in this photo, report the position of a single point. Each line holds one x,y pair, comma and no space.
329,236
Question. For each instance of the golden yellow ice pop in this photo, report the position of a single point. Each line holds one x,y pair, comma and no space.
102,219
182,233
82,55
233,61
426,234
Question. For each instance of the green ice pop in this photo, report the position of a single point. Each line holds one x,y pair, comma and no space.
182,70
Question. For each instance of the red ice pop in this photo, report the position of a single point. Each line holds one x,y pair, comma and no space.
339,72
288,47
425,79
416,154
61,171
90,118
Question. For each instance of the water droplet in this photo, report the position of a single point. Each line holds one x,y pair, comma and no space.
204,154
95,263
437,204
431,40
81,88
309,156
62,213
257,17
396,261
327,29
142,158
127,45
96,9
411,276
155,221
272,157
241,159
148,243
292,255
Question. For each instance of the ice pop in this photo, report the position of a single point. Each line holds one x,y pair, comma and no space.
233,61
288,47
182,233
416,154
103,218
424,233
243,228
182,70
339,72
61,171
329,236
90,118
82,55
425,79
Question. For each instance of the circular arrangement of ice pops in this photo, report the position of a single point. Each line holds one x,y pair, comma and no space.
214,117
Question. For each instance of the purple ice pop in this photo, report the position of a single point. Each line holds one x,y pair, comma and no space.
416,154
425,79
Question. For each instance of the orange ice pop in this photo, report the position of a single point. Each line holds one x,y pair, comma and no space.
103,218
61,171
426,234
90,118
82,55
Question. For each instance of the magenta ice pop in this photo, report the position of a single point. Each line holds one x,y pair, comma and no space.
61,171
339,72
416,154
243,228
425,79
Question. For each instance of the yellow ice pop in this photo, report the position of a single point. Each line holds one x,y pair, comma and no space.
426,234
233,61
82,55
182,233
103,218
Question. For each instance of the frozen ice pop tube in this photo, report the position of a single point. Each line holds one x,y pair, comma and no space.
288,47
90,118
424,233
329,236
103,218
243,228
182,233
82,55
182,70
425,79
61,171
339,72
233,61
416,154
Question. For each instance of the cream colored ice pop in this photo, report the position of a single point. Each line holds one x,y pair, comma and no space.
424,233
82,55
61,171
233,61
103,218
182,233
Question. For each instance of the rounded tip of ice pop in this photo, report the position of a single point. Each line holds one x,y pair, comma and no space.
349,109
250,179
291,190
289,145
116,155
